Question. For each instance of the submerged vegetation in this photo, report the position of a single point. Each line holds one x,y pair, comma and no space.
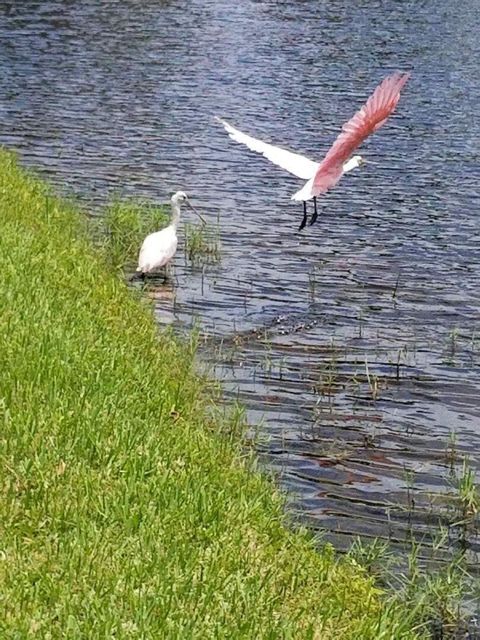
127,510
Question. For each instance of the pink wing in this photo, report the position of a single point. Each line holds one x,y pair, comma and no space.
371,117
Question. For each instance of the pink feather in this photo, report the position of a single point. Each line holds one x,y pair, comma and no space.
368,119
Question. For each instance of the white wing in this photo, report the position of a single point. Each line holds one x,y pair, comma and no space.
292,162
157,249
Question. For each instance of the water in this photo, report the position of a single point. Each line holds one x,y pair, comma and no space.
356,343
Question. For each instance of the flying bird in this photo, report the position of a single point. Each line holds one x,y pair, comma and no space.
159,248
324,175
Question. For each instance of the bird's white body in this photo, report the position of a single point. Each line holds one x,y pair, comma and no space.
159,248
305,193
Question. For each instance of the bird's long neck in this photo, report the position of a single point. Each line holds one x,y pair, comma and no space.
175,219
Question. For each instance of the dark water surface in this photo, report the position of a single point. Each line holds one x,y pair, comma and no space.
356,342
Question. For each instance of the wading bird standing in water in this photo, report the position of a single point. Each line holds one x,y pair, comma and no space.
338,160
159,248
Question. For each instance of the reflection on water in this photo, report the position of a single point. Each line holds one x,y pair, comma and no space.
162,292
356,342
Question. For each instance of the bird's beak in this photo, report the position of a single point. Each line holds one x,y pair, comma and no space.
190,206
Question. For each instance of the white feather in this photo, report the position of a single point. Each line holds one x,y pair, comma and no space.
157,250
305,193
294,163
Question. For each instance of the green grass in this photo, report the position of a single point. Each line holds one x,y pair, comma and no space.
126,225
127,510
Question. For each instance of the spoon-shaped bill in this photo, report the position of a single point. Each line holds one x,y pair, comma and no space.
192,208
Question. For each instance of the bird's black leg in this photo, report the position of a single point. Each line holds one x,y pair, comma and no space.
304,221
138,275
315,212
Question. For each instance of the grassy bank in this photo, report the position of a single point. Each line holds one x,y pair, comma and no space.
126,512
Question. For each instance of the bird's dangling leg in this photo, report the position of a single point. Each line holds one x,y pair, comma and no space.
315,212
304,220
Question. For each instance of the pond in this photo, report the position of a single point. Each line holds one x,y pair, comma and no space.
354,344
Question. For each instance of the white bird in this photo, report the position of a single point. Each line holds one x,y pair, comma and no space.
324,175
159,248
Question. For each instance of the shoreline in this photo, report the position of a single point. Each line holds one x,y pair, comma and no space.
127,510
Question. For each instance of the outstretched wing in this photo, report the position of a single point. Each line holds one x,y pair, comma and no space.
294,163
368,119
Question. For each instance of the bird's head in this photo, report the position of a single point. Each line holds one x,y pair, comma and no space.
353,163
180,197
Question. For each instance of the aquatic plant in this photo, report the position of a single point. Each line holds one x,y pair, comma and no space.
202,243
466,503
373,381
440,593
451,451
